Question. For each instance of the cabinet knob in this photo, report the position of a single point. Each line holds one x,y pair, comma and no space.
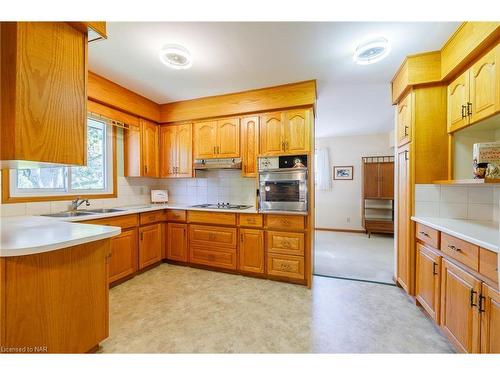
424,234
469,109
464,108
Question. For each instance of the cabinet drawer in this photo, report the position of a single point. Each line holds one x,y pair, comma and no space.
223,258
125,221
379,225
176,215
427,235
152,217
250,220
288,222
285,243
488,264
464,252
225,218
285,265
203,235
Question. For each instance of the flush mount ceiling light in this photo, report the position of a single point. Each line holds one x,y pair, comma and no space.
372,51
175,56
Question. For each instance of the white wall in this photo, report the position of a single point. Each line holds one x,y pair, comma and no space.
340,207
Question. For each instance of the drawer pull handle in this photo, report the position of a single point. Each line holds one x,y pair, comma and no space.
285,221
454,248
482,299
424,234
434,272
286,244
285,267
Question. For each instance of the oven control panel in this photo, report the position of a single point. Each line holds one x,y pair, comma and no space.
282,162
271,162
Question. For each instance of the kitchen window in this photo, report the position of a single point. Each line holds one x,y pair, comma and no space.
97,178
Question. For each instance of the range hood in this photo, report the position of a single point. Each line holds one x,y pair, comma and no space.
225,163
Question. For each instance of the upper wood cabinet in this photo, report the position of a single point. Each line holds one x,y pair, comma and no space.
141,150
404,120
217,139
460,319
176,151
378,180
475,94
249,145
44,93
284,133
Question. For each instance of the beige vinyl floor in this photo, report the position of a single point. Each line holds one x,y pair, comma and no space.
175,309
354,256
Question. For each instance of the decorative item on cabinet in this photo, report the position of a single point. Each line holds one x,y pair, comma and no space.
43,120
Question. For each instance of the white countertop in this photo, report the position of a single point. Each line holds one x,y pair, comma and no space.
485,234
25,235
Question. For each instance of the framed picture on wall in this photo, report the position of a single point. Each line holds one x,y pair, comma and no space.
342,172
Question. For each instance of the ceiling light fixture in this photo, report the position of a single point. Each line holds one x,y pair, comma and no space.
175,56
372,51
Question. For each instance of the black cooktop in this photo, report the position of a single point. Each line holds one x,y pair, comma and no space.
223,206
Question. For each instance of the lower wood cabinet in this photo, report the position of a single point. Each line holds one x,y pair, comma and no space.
490,320
212,236
251,257
124,257
285,243
460,317
428,280
215,257
150,240
285,265
177,246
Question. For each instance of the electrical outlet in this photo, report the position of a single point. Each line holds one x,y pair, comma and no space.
348,219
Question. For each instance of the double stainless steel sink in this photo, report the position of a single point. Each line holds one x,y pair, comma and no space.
85,212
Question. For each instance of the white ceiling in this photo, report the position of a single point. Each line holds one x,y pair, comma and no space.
231,57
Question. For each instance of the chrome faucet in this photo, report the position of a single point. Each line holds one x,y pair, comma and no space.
78,202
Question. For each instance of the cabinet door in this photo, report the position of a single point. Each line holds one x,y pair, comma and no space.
485,86
271,134
458,96
490,320
459,314
370,180
124,253
228,138
404,120
149,152
44,86
297,131
177,242
184,156
205,139
249,145
386,180
251,257
149,245
428,280
168,150
403,212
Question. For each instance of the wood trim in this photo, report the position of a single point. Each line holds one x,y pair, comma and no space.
104,91
6,198
251,101
112,113
341,230
98,26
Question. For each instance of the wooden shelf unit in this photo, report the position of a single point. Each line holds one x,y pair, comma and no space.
378,194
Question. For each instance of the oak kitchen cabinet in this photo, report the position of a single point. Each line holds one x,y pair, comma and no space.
141,150
475,94
124,255
44,93
177,245
404,253
251,255
176,151
217,139
249,145
285,132
150,244
428,280
490,320
404,120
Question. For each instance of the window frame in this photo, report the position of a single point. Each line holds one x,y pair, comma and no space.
7,197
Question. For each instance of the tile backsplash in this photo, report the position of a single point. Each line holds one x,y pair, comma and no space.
457,202
208,187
